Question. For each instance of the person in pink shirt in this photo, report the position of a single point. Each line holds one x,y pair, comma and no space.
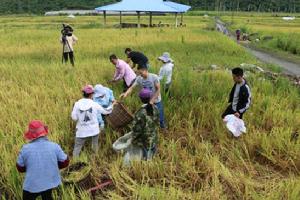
123,71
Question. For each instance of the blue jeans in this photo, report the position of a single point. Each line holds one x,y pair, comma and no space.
160,107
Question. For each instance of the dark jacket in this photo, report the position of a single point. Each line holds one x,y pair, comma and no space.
244,97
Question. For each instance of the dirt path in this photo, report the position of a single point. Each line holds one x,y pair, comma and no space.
288,66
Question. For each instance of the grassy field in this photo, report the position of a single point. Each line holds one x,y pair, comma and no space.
197,157
286,34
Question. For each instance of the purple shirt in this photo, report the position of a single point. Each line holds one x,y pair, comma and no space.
124,71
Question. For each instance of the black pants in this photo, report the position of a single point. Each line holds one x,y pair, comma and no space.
126,87
68,55
230,111
46,195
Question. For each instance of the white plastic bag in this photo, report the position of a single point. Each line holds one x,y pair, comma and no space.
235,125
132,152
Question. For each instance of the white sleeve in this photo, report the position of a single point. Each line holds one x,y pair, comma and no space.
101,110
161,74
74,115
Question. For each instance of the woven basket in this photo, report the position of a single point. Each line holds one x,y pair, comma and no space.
120,116
84,180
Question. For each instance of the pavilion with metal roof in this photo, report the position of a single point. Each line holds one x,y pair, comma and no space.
145,6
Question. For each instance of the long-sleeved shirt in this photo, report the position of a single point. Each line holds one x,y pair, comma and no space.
124,71
86,113
240,97
41,160
166,71
70,41
105,102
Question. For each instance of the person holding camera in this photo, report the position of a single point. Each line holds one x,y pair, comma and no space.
68,39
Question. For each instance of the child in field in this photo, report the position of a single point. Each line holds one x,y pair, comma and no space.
151,82
166,70
41,160
240,95
85,113
105,98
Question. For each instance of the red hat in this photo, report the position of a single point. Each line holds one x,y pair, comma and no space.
36,129
88,89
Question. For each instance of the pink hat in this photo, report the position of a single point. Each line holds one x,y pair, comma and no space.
36,129
88,89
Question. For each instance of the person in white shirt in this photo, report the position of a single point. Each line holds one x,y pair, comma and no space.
85,113
166,70
68,41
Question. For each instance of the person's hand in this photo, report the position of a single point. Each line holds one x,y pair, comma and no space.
237,114
123,95
151,102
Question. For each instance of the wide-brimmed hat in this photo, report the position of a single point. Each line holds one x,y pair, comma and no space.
145,93
36,129
88,89
165,57
99,90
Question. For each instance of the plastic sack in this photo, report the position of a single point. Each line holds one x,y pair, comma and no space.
235,125
132,152
123,142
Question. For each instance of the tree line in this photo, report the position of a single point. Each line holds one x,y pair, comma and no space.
41,6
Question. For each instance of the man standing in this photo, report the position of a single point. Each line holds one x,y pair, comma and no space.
68,39
85,113
240,95
123,71
149,81
137,58
41,159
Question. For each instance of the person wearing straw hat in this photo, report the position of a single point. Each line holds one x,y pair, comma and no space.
85,113
105,98
145,125
166,70
41,159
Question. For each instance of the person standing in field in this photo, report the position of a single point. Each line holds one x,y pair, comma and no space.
41,159
105,98
137,58
123,71
144,126
166,70
240,95
149,81
68,40
86,113
238,35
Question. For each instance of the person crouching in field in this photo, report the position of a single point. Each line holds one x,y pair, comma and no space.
85,113
151,82
123,71
240,95
137,58
41,160
68,40
166,70
145,125
105,98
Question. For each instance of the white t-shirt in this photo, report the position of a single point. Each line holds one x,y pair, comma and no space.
85,112
166,71
71,40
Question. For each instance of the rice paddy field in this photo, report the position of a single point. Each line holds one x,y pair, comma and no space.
285,34
197,157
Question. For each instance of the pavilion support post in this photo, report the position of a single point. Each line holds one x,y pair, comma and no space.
150,22
104,17
181,20
176,20
120,17
139,19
